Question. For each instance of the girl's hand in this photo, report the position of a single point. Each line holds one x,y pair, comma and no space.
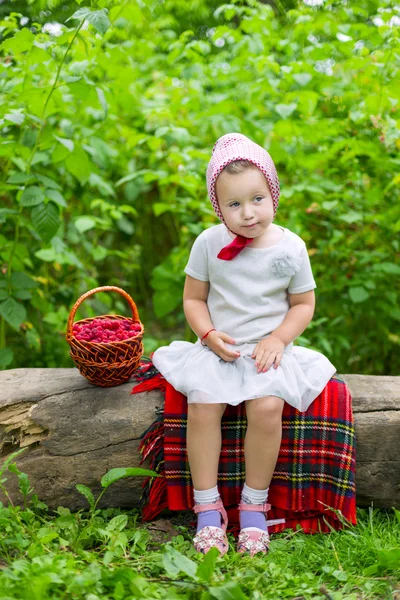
268,351
215,341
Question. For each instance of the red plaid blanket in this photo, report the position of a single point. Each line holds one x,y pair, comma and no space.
313,485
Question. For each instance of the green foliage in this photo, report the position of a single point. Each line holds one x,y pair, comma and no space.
109,554
106,131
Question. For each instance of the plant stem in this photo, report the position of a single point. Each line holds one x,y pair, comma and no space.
35,147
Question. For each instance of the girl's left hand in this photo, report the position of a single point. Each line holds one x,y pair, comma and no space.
267,352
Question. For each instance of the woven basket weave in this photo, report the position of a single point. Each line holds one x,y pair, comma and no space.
106,364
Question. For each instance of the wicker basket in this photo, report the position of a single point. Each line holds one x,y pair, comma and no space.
108,363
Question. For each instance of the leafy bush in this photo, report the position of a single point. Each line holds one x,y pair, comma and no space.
108,121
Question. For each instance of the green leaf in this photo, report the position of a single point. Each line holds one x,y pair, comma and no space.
285,110
165,302
358,294
46,534
21,295
46,254
15,117
20,178
84,223
389,559
10,458
206,569
24,484
122,472
32,196
78,164
352,216
103,186
131,176
5,213
177,562
69,144
125,225
170,567
307,102
161,207
390,268
80,14
99,20
56,196
302,78
22,281
6,357
108,556
47,181
340,575
13,312
98,252
45,220
86,492
118,523
102,99
21,42
229,591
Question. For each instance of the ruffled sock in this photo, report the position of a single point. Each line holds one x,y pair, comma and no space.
208,517
253,518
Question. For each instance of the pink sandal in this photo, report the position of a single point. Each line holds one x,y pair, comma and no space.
253,540
210,536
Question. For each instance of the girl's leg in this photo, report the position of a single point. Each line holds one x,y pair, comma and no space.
203,444
261,449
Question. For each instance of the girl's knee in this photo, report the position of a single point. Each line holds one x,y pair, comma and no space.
265,412
205,413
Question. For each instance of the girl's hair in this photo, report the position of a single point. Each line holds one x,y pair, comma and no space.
237,166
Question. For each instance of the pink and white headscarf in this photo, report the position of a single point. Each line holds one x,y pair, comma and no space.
227,149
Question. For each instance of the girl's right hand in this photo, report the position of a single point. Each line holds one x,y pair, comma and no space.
215,341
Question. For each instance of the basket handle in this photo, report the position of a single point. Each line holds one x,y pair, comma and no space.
104,288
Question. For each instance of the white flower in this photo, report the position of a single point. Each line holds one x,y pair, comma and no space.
285,264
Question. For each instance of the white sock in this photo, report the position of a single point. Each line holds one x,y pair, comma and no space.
206,496
251,496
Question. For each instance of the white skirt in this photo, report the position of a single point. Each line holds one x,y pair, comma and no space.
202,376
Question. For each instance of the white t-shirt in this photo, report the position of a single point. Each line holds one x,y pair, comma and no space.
248,296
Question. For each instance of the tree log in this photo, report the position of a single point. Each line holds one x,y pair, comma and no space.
76,432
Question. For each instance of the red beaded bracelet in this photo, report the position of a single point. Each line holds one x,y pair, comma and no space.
205,335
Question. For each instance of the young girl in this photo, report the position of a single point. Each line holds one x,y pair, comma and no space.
249,293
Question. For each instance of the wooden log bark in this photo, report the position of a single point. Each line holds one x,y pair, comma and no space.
76,432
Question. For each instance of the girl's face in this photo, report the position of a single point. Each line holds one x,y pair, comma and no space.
245,202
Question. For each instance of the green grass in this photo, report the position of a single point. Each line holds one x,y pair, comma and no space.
109,554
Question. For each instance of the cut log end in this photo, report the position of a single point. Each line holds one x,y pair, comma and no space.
17,428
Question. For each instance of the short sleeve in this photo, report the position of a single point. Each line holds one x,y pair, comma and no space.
302,280
197,265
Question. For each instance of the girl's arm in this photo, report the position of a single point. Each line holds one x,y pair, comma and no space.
195,296
299,315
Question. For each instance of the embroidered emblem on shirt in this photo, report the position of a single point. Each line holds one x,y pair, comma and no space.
285,264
